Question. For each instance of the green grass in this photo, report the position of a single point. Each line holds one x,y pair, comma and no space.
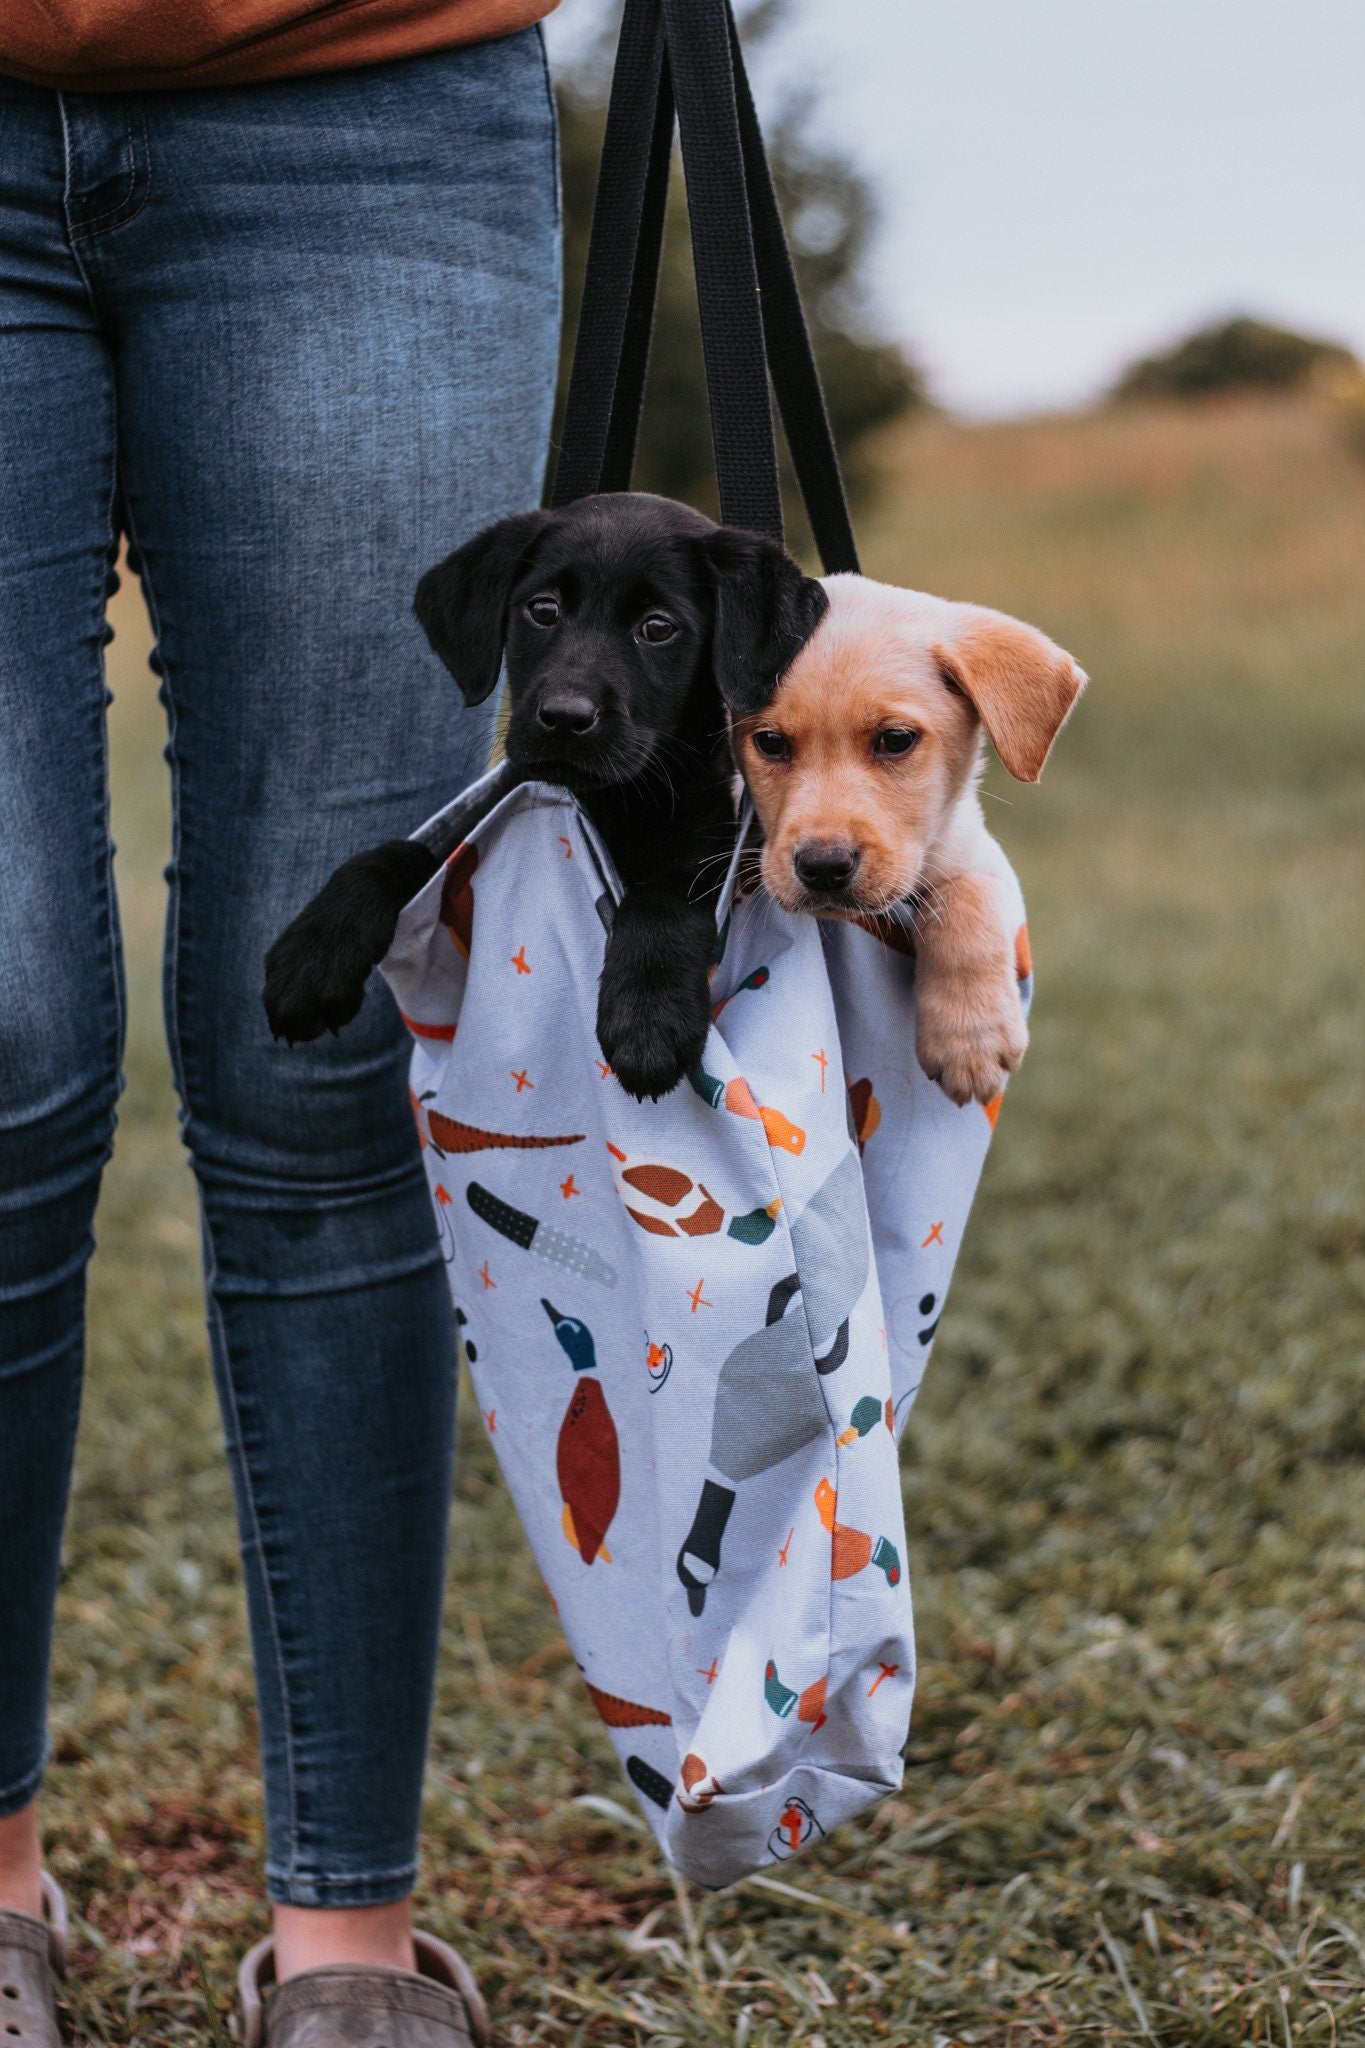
1132,1809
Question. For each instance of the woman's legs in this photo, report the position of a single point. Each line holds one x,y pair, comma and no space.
61,1001
21,1861
332,306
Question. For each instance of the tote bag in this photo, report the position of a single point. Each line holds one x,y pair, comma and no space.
695,1326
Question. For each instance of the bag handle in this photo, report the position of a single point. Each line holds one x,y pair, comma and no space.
620,278
791,359
751,319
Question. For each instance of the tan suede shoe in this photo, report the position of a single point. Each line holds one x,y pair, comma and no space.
30,1951
353,2005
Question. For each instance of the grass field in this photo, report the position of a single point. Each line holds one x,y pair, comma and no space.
1133,1803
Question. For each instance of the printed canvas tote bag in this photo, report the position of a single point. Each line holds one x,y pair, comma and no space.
695,1327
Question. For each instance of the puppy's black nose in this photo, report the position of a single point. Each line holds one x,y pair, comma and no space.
824,866
566,712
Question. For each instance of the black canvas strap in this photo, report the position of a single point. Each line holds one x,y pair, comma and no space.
791,359
724,264
620,281
751,319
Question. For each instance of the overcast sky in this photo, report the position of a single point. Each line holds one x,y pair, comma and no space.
1065,183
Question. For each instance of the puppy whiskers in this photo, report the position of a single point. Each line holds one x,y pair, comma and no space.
653,771
701,884
714,860
926,898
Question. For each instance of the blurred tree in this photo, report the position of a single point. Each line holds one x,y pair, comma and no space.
830,214
1240,354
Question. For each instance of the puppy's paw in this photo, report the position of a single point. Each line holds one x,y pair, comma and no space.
316,971
652,1038
308,991
971,1037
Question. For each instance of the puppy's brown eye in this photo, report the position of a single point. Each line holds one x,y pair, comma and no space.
774,746
896,739
543,611
656,628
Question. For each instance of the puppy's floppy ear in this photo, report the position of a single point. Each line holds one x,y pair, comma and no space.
461,604
766,611
1021,684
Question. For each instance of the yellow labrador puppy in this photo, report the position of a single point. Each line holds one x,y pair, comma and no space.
864,770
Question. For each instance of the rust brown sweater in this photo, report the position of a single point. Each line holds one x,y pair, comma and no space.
136,45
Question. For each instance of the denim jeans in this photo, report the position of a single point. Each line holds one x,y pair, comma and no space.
297,340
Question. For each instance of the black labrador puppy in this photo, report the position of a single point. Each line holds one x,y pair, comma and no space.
627,623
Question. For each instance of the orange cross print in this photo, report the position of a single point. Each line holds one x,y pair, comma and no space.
520,962
519,1075
486,1276
886,1671
935,1236
821,1059
786,1547
490,1416
708,1671
697,1298
569,1187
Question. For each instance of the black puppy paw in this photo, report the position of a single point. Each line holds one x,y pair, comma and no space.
653,1003
316,971
309,990
652,1038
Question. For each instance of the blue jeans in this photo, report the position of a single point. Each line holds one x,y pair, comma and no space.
297,340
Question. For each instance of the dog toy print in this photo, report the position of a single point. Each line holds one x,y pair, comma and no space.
588,1467
853,1550
575,1338
588,1455
619,1713
450,1134
542,1240
737,1097
810,1704
767,1406
668,1187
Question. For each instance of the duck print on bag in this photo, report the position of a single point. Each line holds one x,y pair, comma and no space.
588,1458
